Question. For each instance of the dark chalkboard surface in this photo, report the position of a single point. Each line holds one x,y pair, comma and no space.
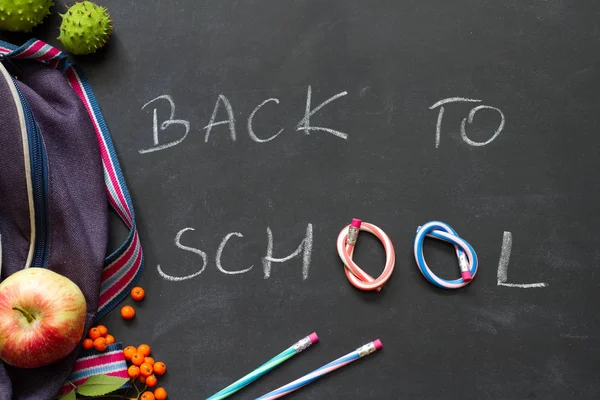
526,328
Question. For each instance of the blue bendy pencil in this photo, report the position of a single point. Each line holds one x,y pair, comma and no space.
324,370
298,347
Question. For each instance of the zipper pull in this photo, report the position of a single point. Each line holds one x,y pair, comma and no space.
10,66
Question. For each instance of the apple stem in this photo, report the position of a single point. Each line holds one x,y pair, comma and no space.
27,315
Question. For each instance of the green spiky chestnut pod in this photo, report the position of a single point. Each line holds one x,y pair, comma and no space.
23,15
85,28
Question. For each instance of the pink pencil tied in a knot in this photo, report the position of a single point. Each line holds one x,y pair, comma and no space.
346,243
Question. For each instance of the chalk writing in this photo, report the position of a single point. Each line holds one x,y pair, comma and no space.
230,121
304,249
186,248
220,253
469,119
503,266
463,132
251,117
165,125
304,124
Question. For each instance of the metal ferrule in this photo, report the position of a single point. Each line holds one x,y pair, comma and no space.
463,263
352,235
366,349
302,344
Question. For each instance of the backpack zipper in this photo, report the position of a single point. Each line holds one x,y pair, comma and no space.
39,179
12,69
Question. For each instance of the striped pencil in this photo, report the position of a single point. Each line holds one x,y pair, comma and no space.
298,347
324,370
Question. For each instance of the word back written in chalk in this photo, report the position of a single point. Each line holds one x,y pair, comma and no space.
223,102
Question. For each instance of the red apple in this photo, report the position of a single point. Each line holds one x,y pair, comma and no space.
42,317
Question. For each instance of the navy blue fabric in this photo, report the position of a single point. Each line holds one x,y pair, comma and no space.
77,208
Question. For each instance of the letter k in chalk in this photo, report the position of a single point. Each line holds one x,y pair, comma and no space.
304,124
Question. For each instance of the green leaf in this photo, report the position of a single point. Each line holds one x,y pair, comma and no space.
98,385
68,396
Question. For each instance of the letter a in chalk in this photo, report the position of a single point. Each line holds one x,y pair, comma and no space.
230,121
305,247
304,124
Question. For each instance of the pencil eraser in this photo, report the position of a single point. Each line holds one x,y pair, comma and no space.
377,344
356,223
313,338
466,275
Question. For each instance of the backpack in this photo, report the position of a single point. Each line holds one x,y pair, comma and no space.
58,173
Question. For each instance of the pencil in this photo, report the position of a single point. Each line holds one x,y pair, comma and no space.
298,347
324,370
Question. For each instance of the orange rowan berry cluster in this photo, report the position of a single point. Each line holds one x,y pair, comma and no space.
98,338
144,369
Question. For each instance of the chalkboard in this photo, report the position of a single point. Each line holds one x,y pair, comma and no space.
480,114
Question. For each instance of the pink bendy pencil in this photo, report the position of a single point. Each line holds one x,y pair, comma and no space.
324,370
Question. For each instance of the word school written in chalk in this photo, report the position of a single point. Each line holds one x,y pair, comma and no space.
303,253
223,114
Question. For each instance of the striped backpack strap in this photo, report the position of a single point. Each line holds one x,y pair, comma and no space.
123,267
91,362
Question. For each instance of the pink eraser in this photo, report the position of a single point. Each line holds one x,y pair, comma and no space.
356,222
466,276
313,338
377,344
